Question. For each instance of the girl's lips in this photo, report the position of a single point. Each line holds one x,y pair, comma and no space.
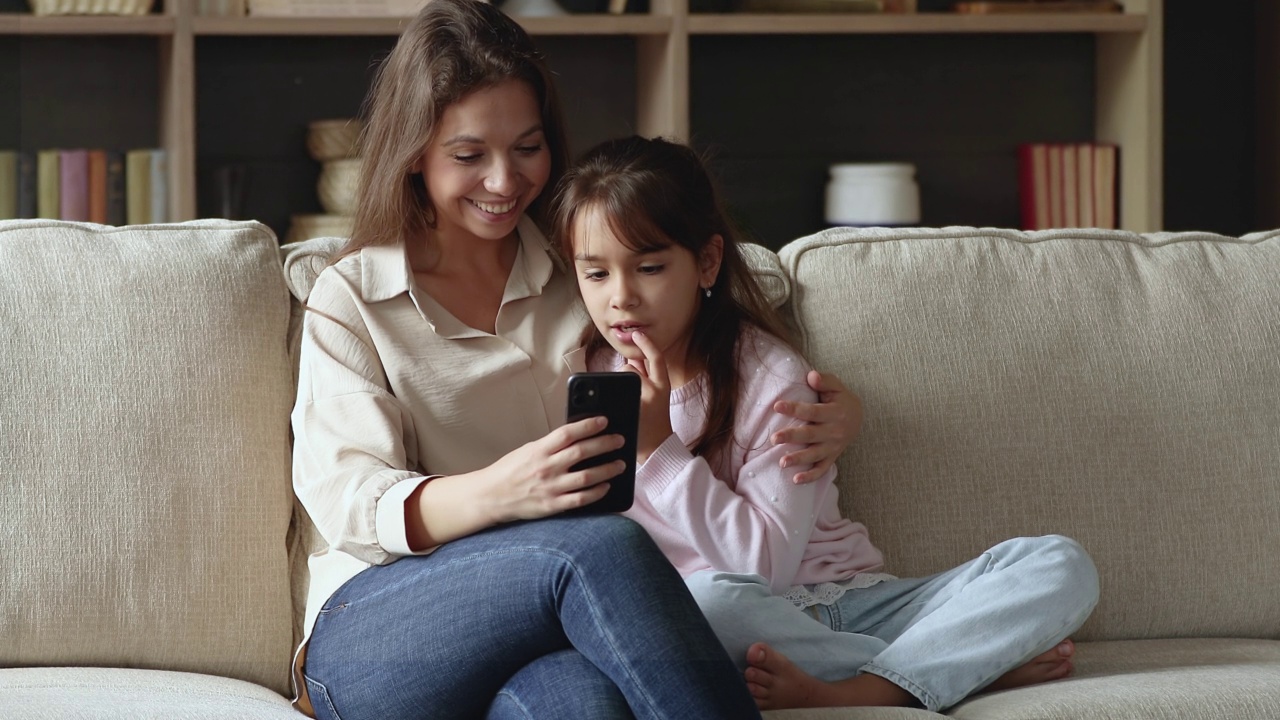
624,332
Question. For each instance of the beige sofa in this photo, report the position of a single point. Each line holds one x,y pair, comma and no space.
1120,389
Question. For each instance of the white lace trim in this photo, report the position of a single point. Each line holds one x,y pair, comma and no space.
827,593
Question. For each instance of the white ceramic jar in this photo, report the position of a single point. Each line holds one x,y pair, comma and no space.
873,194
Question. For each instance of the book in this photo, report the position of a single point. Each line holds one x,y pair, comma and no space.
159,186
617,7
117,209
221,8
48,184
1033,185
137,186
1084,185
1070,184
1038,6
73,185
810,6
1105,167
1055,186
98,186
8,184
27,184
1067,185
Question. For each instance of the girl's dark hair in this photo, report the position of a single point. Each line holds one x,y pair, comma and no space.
654,194
451,49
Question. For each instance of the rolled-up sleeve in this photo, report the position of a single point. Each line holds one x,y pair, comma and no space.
350,460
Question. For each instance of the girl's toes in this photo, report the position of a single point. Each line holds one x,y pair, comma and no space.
756,676
1061,671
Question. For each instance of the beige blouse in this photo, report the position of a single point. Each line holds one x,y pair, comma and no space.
393,389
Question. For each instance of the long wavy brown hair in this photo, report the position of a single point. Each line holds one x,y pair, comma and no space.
655,194
451,49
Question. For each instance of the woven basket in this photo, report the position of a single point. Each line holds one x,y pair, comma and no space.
333,139
91,7
336,8
337,185
305,227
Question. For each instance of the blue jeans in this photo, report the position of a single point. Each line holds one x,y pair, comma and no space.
941,638
557,618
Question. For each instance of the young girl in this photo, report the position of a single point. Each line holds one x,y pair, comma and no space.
671,300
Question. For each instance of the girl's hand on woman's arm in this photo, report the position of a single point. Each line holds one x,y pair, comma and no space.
655,398
831,426
532,481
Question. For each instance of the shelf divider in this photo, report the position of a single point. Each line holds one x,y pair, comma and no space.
1129,111
177,110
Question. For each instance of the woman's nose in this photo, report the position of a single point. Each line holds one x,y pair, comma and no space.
501,179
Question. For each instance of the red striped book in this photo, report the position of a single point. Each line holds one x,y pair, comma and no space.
1065,185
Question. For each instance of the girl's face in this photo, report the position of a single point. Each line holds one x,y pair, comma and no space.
657,292
487,162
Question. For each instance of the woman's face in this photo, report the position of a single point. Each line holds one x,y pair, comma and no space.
487,163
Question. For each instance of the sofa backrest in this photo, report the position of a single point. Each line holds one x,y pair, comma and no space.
1120,389
144,448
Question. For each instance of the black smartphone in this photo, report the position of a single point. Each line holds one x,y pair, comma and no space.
616,396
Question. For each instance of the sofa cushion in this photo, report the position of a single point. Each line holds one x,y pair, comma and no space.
120,694
852,713
1117,388
145,450
1216,679
304,260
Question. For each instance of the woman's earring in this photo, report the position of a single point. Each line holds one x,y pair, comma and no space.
706,291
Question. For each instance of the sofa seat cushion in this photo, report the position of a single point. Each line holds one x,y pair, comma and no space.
144,448
119,694
1220,679
853,713
1120,389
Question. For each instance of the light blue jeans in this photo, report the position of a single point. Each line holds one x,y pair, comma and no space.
940,637
563,618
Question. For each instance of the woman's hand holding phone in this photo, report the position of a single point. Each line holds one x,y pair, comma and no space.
536,478
655,397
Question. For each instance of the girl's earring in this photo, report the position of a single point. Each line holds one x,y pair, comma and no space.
706,291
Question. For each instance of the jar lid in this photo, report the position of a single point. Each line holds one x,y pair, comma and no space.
846,171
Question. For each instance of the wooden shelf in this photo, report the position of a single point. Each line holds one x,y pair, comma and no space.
866,23
1128,68
390,26
318,26
25,24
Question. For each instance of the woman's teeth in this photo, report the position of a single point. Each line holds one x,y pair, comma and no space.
495,208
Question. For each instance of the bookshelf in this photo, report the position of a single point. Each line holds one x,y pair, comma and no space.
661,51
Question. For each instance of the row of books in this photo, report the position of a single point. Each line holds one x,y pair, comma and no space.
223,8
1067,185
111,187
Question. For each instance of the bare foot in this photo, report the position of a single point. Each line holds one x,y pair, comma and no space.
776,683
1052,665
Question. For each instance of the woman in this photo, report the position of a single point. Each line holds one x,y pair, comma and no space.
427,447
